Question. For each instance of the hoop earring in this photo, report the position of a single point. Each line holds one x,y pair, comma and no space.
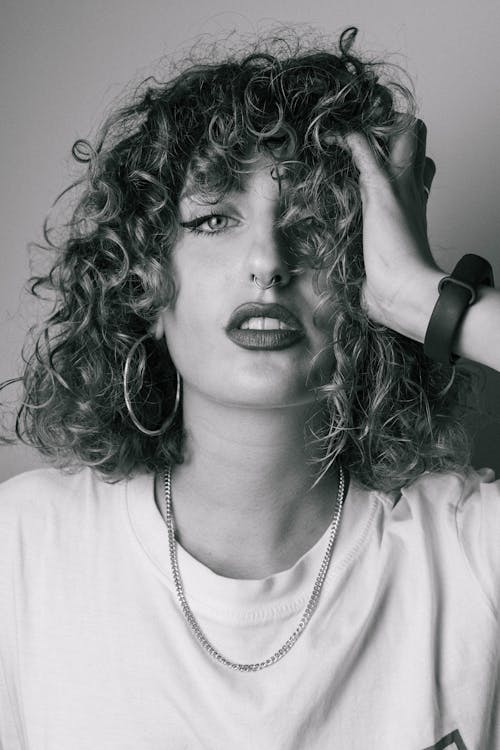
128,401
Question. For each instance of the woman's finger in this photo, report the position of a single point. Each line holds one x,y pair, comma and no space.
403,151
370,170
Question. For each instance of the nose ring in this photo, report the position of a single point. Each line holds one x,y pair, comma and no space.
275,281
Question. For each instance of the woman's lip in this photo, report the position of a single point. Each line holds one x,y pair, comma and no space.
274,339
260,310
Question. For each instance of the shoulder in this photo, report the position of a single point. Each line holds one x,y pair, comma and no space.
50,519
446,493
463,507
443,500
444,504
46,486
450,483
49,496
30,483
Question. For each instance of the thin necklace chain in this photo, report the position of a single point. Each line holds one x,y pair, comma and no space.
308,611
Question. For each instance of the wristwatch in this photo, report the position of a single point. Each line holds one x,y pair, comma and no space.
456,293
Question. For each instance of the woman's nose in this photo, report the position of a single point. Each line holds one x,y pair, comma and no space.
275,280
267,261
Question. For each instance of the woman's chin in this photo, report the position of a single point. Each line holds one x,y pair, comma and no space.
264,398
257,389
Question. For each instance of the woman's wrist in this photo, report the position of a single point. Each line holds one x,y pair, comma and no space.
478,336
409,308
409,311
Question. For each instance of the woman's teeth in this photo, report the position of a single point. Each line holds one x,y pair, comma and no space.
265,324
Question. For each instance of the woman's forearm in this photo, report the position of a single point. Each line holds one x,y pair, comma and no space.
478,334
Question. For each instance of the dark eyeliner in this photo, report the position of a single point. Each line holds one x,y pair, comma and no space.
195,222
192,226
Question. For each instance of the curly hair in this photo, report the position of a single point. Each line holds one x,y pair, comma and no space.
390,412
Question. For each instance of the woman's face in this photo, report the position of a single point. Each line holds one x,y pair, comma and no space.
224,336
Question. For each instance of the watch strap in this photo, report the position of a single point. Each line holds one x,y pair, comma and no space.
456,293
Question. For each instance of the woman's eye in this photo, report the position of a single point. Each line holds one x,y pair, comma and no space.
211,224
215,223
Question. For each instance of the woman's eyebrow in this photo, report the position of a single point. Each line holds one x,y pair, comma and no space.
193,203
194,195
194,198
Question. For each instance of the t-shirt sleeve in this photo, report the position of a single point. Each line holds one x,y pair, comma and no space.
478,520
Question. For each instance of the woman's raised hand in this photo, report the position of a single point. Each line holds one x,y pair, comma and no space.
400,270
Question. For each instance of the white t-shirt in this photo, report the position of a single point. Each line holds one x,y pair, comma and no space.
402,652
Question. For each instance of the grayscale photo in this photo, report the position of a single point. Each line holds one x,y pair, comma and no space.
249,385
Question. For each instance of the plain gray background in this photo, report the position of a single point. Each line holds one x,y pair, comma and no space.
63,62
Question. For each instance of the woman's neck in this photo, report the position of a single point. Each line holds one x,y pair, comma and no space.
244,501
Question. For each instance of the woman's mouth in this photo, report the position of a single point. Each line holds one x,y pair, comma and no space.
260,326
265,324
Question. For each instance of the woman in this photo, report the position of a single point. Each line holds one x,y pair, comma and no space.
268,540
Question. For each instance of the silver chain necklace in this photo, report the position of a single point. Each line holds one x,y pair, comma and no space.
306,615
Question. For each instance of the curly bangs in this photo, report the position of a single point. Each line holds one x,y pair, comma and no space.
390,413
